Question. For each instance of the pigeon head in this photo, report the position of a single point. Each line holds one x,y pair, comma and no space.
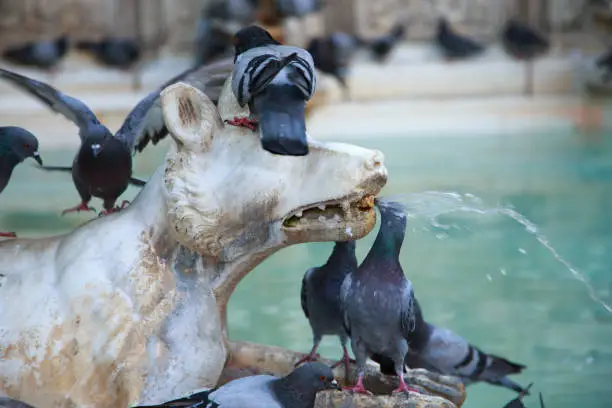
252,37
392,225
20,142
300,387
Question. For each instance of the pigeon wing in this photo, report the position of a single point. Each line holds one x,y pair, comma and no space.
71,108
344,295
145,122
304,292
407,311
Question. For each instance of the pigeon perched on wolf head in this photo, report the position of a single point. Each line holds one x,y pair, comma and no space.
298,389
378,300
320,298
16,145
443,351
275,81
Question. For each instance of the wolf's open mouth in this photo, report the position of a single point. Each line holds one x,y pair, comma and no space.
330,211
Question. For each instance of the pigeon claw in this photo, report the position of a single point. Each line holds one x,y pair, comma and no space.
402,387
81,207
359,388
8,235
115,209
242,122
308,357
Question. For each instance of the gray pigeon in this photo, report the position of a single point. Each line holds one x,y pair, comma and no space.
443,351
378,300
296,390
275,81
103,165
6,402
41,54
320,297
16,145
117,52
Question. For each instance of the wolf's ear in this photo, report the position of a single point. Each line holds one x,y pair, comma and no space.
190,116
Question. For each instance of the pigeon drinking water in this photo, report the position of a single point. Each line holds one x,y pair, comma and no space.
378,300
16,145
320,297
103,165
298,389
275,81
443,351
518,401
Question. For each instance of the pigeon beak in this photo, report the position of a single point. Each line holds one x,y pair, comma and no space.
335,385
36,156
95,149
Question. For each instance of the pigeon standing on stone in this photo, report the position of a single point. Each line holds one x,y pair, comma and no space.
443,351
320,298
453,45
298,389
40,54
16,145
378,300
215,28
522,41
275,81
382,46
332,55
103,165
115,52
297,8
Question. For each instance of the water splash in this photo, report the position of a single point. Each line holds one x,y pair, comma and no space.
433,204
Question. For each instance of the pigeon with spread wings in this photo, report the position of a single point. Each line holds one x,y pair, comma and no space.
102,166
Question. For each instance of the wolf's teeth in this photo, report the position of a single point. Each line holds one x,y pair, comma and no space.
346,206
322,207
337,217
299,214
322,218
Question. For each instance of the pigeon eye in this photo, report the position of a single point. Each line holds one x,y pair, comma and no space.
26,145
322,378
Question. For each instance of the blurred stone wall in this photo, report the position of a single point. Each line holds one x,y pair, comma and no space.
170,24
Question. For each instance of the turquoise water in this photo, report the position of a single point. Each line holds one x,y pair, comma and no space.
477,271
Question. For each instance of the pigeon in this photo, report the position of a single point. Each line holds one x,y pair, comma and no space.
453,45
275,81
298,389
297,8
442,351
332,55
6,402
103,165
382,46
212,41
16,145
320,298
518,403
523,42
378,300
41,54
114,52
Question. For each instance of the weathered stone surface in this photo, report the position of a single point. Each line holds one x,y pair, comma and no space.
437,390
